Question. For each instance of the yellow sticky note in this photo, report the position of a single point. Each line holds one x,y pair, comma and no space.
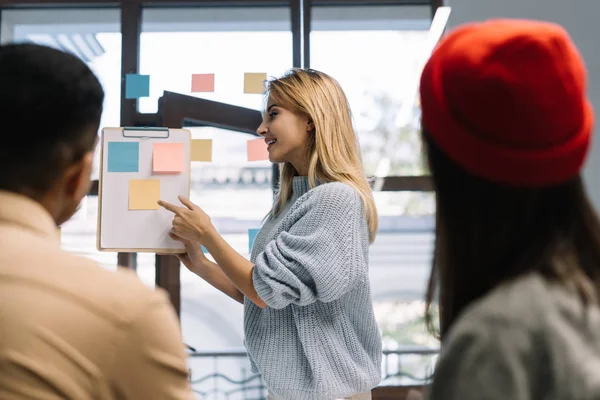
202,150
168,157
144,194
254,82
257,150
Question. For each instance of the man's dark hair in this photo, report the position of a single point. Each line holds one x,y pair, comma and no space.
50,108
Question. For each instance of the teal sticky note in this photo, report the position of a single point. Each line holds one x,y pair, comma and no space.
204,249
123,156
251,237
137,86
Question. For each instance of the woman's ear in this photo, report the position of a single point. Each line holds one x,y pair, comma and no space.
310,126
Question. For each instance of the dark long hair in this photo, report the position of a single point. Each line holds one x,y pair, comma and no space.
488,233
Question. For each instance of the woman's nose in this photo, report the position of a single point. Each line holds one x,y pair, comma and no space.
262,129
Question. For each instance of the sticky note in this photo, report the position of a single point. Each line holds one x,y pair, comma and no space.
204,249
203,83
137,86
257,150
251,237
202,150
254,82
123,156
144,194
168,157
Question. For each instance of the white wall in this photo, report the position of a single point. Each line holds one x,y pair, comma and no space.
581,19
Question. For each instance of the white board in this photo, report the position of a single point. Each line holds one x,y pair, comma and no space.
124,230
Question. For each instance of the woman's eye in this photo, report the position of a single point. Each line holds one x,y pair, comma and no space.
272,114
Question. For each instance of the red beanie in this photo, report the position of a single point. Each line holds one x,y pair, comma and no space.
505,99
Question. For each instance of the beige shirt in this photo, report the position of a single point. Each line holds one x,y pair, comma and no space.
70,329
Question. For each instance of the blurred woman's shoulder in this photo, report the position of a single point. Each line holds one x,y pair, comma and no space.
533,302
529,335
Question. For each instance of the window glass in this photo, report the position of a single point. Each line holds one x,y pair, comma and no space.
227,42
373,53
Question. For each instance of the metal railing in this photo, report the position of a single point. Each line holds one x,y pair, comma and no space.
226,374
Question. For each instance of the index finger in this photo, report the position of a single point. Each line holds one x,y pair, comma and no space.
186,202
168,206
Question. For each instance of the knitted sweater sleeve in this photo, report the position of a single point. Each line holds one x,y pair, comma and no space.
322,256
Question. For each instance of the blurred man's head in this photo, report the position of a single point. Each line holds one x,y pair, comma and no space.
50,108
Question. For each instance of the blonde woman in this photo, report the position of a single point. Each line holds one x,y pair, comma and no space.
309,322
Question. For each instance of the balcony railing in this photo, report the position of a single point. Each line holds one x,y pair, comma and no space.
217,375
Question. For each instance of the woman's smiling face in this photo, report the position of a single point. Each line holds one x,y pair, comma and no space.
286,135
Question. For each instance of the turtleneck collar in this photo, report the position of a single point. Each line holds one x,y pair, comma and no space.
300,185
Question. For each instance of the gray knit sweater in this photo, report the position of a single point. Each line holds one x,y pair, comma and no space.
317,338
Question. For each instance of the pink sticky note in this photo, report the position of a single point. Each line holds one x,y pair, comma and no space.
257,150
168,157
203,83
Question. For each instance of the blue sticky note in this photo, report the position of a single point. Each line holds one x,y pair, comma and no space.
251,237
137,86
123,156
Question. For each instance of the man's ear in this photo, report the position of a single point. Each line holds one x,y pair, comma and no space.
78,177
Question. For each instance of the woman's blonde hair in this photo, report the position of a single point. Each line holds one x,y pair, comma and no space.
334,152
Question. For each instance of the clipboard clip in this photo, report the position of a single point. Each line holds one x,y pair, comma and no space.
146,132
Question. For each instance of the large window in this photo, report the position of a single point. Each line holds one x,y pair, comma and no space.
373,53
227,42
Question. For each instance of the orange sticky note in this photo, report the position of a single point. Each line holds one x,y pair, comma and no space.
203,83
257,150
202,150
168,157
254,82
144,194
